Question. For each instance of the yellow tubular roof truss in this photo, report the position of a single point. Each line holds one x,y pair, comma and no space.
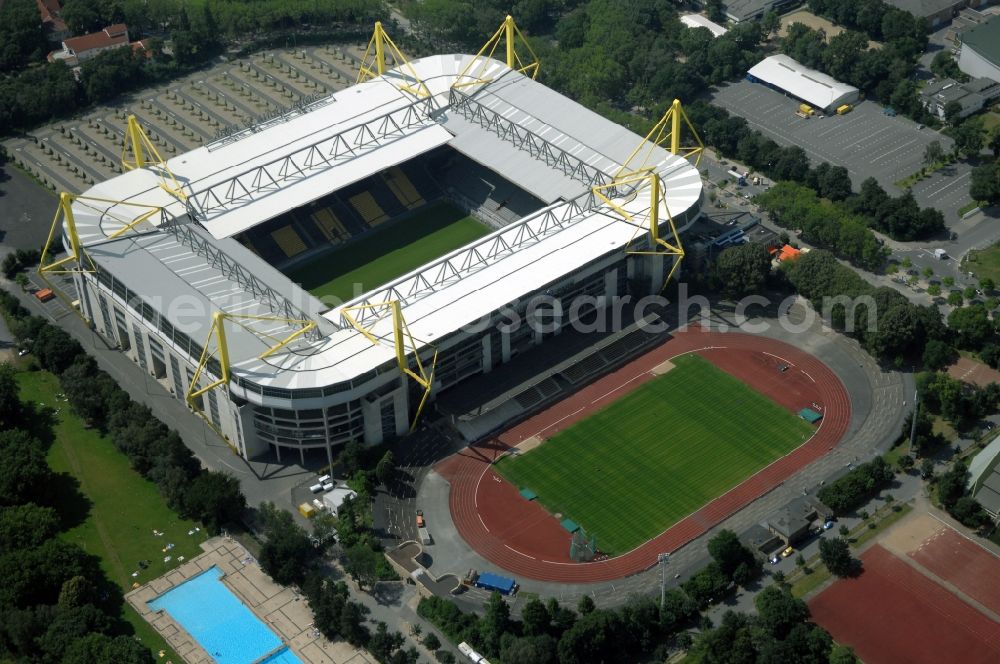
373,63
216,345
667,130
658,245
139,152
508,32
402,340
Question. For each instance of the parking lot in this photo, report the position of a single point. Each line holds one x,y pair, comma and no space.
71,155
865,141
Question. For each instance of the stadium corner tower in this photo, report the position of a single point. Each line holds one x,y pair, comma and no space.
184,265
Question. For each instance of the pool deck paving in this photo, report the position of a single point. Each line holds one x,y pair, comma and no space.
283,609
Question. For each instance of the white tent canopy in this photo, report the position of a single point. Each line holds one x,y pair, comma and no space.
815,88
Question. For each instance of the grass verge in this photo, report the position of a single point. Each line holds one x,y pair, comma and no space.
121,507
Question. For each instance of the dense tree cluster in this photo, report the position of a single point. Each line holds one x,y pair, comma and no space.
154,450
985,182
888,325
954,495
857,487
549,633
882,73
56,605
21,37
836,555
956,401
742,269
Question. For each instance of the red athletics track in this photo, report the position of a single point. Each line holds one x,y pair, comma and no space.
521,537
893,613
963,563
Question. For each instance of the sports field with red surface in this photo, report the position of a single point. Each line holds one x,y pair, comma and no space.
521,537
962,563
892,613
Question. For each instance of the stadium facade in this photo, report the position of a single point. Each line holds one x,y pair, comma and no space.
161,271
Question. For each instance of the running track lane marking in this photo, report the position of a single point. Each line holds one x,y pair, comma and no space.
519,553
549,426
481,520
807,375
788,362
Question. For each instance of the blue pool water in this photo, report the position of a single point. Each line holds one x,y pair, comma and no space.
220,623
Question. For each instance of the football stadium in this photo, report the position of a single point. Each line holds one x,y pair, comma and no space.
318,277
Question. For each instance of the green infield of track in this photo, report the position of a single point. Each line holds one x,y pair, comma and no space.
646,461
394,249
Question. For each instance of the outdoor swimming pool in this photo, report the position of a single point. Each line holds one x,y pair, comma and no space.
220,623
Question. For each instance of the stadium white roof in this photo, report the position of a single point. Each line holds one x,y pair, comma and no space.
813,87
699,21
361,131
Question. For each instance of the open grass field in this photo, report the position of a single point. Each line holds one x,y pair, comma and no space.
633,469
117,524
984,263
393,250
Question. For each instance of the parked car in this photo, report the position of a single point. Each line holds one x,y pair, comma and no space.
787,552
420,519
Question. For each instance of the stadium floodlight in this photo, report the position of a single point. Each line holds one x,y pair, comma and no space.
373,63
511,35
221,366
143,153
669,127
632,183
400,336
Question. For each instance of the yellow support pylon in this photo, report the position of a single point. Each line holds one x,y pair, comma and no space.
373,62
217,334
143,153
400,334
667,129
510,34
658,245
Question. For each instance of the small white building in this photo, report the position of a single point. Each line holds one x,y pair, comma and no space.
335,498
699,21
815,88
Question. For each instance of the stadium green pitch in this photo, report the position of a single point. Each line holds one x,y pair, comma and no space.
391,251
631,470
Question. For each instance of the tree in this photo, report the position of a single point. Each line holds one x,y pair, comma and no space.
742,269
927,469
361,562
933,153
535,618
778,611
431,642
968,137
215,499
938,355
715,11
844,530
952,112
286,552
11,408
770,23
841,654
987,284
985,182
21,37
24,472
385,470
729,553
585,605
971,326
836,555
596,637
26,526
496,622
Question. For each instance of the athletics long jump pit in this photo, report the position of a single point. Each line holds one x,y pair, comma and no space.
647,458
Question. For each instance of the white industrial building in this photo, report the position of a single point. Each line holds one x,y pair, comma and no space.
822,92
979,56
158,289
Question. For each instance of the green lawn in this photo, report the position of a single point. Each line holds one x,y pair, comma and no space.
631,470
985,263
393,250
124,508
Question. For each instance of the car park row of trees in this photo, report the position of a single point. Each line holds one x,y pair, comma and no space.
642,629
